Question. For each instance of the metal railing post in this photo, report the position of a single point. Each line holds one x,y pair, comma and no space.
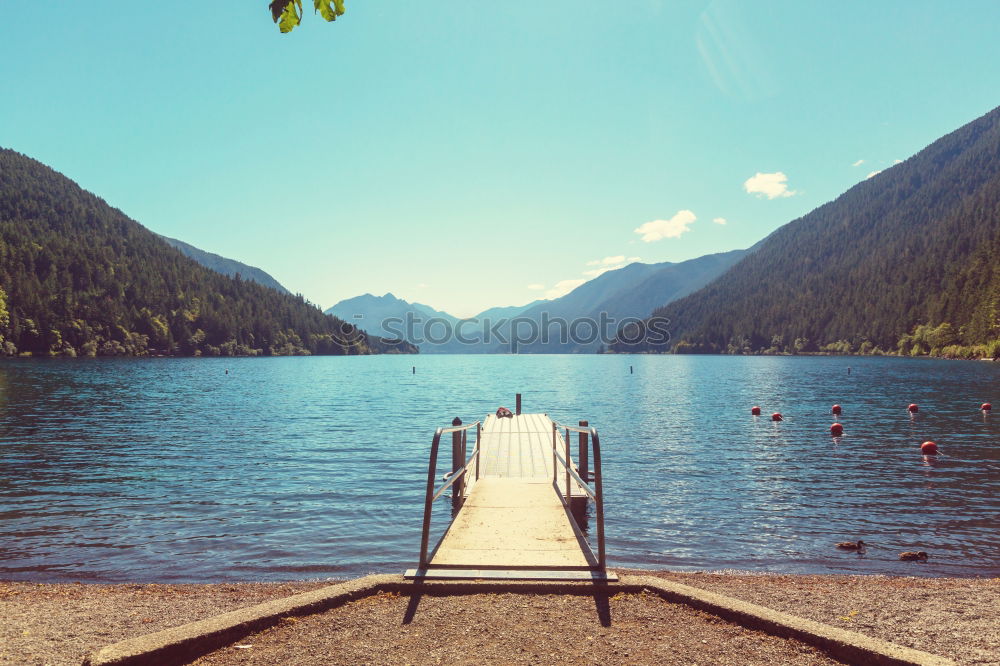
457,460
569,488
555,470
429,499
479,441
517,404
599,492
582,464
465,438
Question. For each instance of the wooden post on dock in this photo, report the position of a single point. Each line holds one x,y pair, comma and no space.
457,460
517,406
582,457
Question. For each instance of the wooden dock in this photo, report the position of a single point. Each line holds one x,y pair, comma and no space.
513,503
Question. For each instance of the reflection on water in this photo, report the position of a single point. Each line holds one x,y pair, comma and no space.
285,468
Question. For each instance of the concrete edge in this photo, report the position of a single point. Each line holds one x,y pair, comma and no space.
184,643
187,642
849,646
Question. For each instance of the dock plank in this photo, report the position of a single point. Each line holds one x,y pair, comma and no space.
518,447
513,515
513,523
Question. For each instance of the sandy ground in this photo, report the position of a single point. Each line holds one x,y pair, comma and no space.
958,618
514,629
61,623
952,617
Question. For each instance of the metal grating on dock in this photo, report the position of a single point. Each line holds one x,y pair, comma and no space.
517,448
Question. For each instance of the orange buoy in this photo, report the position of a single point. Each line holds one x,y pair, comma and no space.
777,417
929,448
986,407
913,409
835,409
755,410
836,430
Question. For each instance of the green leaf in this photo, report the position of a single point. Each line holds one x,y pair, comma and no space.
286,13
329,9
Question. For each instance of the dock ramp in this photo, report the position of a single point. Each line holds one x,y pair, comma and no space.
516,500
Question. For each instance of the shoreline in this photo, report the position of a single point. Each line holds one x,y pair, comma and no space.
959,618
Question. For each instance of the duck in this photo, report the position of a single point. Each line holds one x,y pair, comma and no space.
851,545
913,556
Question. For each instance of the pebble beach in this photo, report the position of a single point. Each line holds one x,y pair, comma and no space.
958,618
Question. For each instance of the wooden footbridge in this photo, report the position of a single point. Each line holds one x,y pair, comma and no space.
516,499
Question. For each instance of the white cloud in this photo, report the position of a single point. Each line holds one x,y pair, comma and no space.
858,163
608,264
771,185
536,287
873,173
632,260
608,261
719,220
422,285
897,161
672,228
563,287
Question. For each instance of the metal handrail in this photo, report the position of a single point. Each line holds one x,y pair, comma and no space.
454,476
597,493
583,484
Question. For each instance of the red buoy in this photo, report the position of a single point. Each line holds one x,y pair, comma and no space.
836,430
929,449
777,416
835,409
913,409
986,407
755,410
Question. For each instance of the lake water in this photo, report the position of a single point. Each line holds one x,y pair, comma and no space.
310,468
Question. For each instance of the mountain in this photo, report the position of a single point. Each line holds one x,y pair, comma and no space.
908,261
672,281
78,277
229,267
388,315
631,292
421,324
507,312
570,321
431,312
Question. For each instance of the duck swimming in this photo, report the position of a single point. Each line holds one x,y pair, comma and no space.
913,555
851,545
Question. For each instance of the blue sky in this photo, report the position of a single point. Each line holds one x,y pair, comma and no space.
469,154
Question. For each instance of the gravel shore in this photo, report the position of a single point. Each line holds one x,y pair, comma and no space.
953,617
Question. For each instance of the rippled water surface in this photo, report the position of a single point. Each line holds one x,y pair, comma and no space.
295,468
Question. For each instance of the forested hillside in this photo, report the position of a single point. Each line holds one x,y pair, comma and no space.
78,277
226,266
907,261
